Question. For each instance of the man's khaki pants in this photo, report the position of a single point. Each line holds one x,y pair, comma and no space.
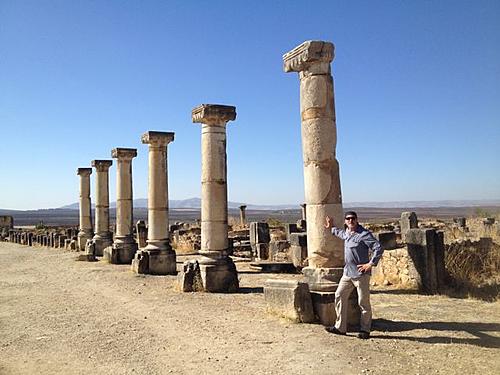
346,286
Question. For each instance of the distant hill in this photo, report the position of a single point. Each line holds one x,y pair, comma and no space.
195,203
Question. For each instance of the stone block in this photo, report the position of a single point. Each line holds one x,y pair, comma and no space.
277,247
155,262
289,229
290,299
408,221
259,233
299,239
190,279
298,256
387,240
219,276
262,251
421,244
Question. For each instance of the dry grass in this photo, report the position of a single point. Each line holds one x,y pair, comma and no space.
473,270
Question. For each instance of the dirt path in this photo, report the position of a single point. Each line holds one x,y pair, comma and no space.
58,316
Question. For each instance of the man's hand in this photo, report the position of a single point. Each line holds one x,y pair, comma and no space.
328,222
364,267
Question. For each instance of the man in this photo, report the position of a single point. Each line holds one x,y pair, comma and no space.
357,271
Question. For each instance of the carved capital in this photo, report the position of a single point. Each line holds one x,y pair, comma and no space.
124,153
307,54
102,165
157,139
84,171
213,114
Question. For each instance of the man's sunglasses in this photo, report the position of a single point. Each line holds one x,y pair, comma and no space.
349,218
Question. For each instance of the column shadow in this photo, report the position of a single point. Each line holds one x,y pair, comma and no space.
479,330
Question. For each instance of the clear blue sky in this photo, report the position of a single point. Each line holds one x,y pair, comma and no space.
417,95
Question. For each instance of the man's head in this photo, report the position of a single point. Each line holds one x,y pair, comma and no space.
351,220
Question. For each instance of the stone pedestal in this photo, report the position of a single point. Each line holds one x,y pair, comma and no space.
85,233
157,257
102,237
124,247
217,269
321,170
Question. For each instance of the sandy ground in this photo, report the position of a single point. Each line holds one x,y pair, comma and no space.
59,316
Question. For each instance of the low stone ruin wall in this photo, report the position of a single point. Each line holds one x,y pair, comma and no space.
396,268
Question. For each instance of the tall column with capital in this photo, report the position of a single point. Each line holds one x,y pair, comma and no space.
85,233
323,196
157,257
124,245
218,271
102,237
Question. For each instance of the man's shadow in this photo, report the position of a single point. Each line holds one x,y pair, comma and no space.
479,330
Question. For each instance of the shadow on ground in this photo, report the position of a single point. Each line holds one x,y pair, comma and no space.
478,330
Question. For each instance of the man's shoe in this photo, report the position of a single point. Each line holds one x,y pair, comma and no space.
334,330
363,335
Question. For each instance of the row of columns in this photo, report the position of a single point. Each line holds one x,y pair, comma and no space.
321,179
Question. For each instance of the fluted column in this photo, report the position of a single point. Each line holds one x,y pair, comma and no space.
85,233
321,170
102,237
124,245
157,257
217,269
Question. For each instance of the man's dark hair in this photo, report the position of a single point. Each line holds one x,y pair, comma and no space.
350,213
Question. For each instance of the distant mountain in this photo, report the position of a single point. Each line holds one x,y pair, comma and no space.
195,203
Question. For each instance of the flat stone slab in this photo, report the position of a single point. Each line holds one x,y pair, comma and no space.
273,267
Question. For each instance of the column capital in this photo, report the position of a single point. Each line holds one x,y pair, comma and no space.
124,153
308,53
102,165
243,206
84,171
158,139
213,114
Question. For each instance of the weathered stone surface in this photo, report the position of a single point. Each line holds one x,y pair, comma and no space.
408,221
217,269
219,275
290,299
190,279
259,233
141,233
86,232
124,246
157,257
102,237
387,239
426,249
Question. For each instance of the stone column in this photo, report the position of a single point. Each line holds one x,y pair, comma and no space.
303,211
102,237
321,170
124,246
217,269
86,232
242,215
157,257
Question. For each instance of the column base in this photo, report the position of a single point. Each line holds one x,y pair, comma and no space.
102,241
83,236
322,279
219,275
154,261
120,252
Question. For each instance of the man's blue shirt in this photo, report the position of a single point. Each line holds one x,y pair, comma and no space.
357,245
